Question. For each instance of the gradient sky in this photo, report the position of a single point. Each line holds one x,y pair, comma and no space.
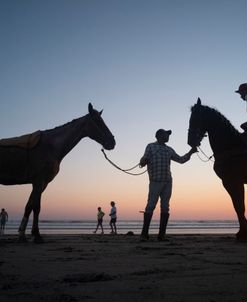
143,62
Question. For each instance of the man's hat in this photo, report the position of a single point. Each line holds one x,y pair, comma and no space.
162,131
241,88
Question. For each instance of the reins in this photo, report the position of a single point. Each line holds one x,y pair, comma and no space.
123,170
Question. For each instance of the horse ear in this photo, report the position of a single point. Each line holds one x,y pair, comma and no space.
199,102
90,108
101,112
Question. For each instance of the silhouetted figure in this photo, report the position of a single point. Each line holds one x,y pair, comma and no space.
230,155
158,157
3,219
242,90
113,215
100,216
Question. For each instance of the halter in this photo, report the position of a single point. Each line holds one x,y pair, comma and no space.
208,158
104,135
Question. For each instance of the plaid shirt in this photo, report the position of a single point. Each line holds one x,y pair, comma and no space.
159,159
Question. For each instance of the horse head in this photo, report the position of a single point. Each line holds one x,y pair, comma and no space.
97,129
196,126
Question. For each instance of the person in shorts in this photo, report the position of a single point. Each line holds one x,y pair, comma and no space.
113,215
100,216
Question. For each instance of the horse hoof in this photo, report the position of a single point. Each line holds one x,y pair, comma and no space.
38,239
241,239
22,239
241,236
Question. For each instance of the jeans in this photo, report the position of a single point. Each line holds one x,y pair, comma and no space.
162,190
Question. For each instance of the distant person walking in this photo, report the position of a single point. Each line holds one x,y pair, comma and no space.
113,215
100,216
158,158
3,219
242,90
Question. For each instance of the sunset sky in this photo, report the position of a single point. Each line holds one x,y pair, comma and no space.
143,62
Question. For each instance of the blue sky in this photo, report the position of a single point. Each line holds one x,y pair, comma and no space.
143,62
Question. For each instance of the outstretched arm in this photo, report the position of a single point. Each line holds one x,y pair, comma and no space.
185,158
193,150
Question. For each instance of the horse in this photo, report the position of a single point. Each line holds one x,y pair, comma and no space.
229,148
35,159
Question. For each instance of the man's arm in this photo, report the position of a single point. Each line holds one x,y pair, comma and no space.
183,159
112,213
144,159
143,162
193,150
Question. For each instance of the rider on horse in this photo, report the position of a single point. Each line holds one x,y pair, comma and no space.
242,90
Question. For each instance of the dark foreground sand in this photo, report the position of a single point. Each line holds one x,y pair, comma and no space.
120,268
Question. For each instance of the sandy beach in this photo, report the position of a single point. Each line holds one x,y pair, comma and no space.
121,268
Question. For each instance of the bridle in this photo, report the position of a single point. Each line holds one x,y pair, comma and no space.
105,136
199,136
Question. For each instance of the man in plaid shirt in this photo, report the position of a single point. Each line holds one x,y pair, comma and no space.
158,158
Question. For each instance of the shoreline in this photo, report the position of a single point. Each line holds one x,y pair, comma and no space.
123,226
93,267
122,232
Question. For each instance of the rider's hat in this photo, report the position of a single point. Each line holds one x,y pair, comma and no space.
242,88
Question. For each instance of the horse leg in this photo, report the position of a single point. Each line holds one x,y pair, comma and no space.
38,188
236,191
24,221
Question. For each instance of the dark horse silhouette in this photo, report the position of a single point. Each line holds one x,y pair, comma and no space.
35,159
230,153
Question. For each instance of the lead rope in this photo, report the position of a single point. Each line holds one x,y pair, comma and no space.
123,170
209,158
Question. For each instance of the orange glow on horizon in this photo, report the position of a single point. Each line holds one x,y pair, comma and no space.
77,196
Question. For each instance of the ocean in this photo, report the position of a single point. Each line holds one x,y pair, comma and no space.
123,226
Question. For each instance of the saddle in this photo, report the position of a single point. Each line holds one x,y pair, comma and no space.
27,141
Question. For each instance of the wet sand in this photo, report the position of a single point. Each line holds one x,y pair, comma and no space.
121,268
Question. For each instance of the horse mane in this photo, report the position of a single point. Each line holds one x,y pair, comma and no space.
215,114
68,124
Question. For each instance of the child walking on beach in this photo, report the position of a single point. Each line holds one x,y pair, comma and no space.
113,215
100,216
